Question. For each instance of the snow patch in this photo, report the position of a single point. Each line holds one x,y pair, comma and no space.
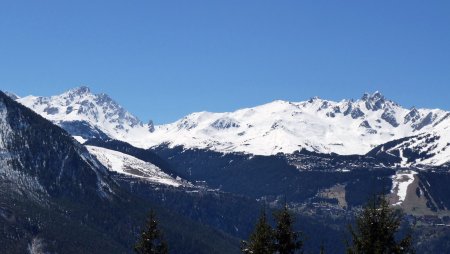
80,139
131,166
400,182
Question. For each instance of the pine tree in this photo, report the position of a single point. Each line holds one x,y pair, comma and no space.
376,228
151,241
287,241
261,240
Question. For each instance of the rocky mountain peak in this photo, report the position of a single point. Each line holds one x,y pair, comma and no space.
80,90
151,126
374,101
80,107
374,96
313,99
74,94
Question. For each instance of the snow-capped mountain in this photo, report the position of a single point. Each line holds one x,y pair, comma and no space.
39,158
88,115
56,194
345,127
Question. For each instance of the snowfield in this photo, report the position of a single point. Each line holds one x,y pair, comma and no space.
131,166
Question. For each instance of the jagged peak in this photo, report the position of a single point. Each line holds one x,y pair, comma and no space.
373,97
376,101
413,109
81,90
313,99
79,104
151,126
84,91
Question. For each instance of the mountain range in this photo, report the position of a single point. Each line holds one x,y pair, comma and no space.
59,196
80,161
362,126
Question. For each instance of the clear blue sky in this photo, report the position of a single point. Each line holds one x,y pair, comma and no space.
165,59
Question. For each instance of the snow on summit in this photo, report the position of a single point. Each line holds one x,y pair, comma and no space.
97,111
344,127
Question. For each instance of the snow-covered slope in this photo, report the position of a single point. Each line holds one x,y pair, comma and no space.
129,165
400,183
345,127
38,158
90,114
431,149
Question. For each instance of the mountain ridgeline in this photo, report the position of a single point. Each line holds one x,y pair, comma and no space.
93,166
346,127
56,195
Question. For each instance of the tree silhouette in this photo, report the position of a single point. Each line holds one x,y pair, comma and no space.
376,229
287,241
151,241
262,239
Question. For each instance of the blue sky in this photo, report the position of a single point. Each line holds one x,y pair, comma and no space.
165,59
